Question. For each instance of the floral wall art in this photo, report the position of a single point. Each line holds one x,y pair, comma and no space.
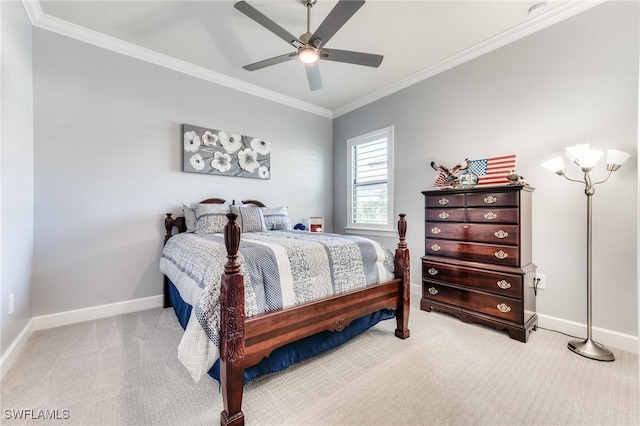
217,152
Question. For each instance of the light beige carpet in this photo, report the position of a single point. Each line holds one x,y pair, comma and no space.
124,371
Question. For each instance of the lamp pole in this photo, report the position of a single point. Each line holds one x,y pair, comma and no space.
586,158
589,348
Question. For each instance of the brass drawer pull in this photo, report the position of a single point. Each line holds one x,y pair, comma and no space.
503,308
501,255
501,234
443,215
433,290
443,201
490,215
435,230
504,284
490,199
433,271
435,247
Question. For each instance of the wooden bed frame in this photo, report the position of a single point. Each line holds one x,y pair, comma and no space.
246,341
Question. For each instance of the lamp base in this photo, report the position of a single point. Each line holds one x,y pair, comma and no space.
590,349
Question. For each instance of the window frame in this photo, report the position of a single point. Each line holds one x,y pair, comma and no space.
384,230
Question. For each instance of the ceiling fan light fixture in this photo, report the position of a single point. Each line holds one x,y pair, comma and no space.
308,55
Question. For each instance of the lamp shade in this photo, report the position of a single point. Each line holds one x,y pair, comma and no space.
572,152
583,156
616,158
555,165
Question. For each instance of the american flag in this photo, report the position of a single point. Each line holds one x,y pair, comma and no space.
493,171
441,180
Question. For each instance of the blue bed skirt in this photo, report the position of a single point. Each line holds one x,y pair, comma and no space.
291,353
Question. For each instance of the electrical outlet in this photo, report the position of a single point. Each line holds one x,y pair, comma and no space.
11,307
539,281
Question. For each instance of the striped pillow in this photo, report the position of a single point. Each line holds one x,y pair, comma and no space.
211,218
250,218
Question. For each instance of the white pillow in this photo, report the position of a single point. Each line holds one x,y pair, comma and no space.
276,218
190,220
211,218
250,218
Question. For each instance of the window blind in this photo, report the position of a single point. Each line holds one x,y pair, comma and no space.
370,183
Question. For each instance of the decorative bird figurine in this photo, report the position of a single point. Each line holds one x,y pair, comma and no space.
516,179
447,175
450,172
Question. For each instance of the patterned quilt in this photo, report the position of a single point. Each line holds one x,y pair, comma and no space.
280,268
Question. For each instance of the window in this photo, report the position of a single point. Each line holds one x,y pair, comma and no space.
370,190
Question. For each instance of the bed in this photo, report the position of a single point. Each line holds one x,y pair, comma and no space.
244,334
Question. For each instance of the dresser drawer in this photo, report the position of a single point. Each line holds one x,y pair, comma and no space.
477,252
492,199
445,215
489,304
482,233
503,284
445,200
495,215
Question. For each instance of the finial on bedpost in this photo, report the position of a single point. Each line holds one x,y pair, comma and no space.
168,225
402,231
232,242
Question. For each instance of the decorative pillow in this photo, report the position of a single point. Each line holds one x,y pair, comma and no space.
190,221
211,218
276,218
250,218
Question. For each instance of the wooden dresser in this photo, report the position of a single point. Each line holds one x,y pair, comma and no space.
477,263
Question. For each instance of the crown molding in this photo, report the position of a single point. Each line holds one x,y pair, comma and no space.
41,20
553,16
34,11
69,29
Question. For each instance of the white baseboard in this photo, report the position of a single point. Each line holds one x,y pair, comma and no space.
609,338
43,322
14,349
96,312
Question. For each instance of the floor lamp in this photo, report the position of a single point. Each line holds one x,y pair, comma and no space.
587,158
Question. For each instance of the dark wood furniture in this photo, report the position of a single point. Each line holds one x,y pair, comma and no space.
246,341
477,263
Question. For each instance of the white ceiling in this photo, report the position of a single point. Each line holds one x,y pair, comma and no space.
213,40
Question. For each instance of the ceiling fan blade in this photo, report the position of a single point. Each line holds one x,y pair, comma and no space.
358,58
313,75
335,20
271,61
261,19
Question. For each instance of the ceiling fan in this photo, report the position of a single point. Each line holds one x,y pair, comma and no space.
310,46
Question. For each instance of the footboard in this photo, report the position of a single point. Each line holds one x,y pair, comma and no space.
245,342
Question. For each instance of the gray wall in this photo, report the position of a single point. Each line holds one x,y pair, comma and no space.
574,82
108,165
16,170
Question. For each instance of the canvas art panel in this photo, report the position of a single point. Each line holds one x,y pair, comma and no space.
218,152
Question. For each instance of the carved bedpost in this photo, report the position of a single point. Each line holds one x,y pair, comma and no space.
168,226
401,266
232,329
